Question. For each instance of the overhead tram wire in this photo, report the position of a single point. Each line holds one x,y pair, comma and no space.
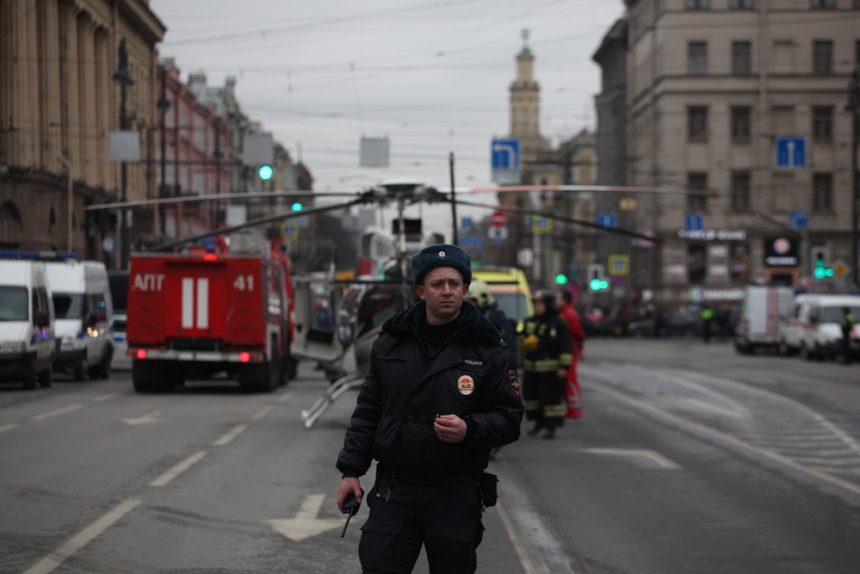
218,197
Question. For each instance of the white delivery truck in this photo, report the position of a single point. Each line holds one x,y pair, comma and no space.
84,313
762,309
26,322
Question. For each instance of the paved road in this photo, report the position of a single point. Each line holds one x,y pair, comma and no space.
690,459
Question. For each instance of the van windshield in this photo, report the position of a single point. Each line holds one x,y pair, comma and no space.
834,314
13,304
69,305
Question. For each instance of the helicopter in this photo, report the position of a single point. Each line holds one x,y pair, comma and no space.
337,322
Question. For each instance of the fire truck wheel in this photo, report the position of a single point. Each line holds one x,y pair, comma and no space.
148,377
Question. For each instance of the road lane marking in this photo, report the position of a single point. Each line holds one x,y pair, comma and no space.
84,537
651,455
539,549
285,397
730,441
262,413
106,397
519,548
165,478
146,419
8,427
306,524
58,412
228,437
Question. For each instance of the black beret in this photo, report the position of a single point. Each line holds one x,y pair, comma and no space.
441,255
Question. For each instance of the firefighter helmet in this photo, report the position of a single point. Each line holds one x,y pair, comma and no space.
480,292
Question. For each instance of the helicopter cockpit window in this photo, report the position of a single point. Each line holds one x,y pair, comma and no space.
380,304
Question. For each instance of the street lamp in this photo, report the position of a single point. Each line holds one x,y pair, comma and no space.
853,107
123,77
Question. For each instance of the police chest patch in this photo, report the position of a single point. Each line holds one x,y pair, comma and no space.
473,363
466,385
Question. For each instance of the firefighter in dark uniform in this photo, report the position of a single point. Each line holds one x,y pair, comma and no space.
441,392
545,345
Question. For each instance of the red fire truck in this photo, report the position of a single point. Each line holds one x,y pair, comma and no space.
209,311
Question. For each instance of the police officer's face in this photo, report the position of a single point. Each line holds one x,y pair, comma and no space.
443,292
540,306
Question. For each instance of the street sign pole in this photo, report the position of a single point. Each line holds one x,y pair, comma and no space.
453,200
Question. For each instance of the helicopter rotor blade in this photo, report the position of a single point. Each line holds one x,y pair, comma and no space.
518,211
259,221
593,188
216,197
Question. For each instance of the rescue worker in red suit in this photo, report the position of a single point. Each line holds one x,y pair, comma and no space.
546,358
573,392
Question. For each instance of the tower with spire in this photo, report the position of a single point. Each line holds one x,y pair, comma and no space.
525,106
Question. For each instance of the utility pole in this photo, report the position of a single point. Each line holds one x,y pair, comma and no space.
853,106
123,76
163,106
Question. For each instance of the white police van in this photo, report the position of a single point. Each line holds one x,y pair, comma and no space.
27,344
84,313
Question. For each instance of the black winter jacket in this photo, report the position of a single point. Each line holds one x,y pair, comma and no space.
393,418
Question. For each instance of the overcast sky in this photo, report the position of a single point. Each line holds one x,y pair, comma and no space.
432,75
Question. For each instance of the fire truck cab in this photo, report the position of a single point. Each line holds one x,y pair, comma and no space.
210,311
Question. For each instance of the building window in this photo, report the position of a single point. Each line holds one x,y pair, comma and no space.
697,58
742,58
822,57
697,123
741,120
741,191
822,4
742,5
822,124
697,181
697,4
822,192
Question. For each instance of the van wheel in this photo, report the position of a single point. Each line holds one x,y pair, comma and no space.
46,377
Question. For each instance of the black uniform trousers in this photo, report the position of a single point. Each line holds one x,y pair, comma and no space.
442,513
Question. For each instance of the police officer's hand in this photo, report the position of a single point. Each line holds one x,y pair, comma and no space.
347,485
450,428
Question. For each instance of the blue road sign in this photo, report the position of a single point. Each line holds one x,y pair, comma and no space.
466,223
798,219
692,222
790,152
607,219
505,154
474,241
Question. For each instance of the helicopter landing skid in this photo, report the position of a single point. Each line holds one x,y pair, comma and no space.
331,394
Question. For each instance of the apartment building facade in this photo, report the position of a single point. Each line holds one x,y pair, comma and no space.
58,103
744,99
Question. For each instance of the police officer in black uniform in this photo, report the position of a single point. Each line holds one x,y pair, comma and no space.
440,394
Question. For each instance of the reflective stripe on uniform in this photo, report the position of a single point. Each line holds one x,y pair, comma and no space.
554,410
565,360
531,405
541,365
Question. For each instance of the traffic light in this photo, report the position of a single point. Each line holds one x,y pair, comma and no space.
822,269
561,279
297,206
596,282
265,172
